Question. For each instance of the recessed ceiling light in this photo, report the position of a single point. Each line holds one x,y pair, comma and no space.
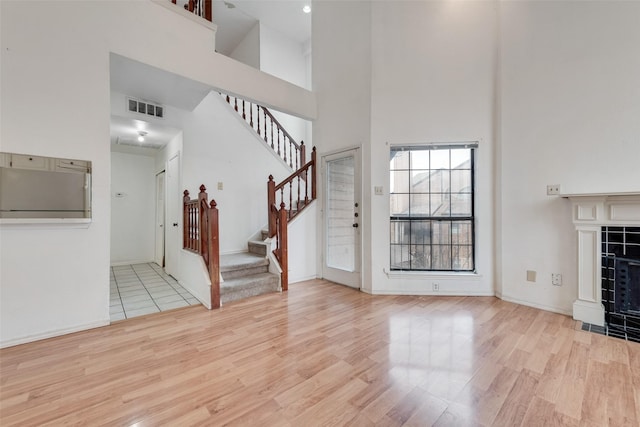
141,135
306,8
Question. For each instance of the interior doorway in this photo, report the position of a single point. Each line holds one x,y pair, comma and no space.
160,217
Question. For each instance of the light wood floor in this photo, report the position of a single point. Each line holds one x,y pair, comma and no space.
323,354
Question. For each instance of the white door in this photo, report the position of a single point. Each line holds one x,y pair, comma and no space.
341,181
173,232
160,207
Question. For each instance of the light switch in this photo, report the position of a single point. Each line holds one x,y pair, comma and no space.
220,186
378,190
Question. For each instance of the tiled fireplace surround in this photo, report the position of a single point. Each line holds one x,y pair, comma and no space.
591,212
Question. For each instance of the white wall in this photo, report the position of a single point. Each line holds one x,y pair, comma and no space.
439,87
303,249
248,50
344,97
132,214
59,76
570,107
423,72
215,151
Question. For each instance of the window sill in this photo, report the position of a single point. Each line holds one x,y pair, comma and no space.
440,275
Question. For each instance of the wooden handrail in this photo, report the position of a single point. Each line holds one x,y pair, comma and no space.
201,236
270,130
296,187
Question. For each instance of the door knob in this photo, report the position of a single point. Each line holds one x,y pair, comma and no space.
355,225
175,224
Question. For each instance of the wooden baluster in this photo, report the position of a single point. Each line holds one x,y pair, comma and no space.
251,114
272,135
228,100
214,254
290,196
306,186
236,103
284,251
244,116
265,126
185,219
302,156
284,149
271,201
298,202
258,116
313,173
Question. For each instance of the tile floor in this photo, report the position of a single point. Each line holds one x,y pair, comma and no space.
141,289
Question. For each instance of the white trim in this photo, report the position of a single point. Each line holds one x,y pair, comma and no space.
42,223
304,279
544,307
441,293
54,333
589,312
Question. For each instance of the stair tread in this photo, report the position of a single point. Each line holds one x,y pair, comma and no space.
242,260
246,282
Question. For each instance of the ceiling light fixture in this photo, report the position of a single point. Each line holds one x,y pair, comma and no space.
306,8
141,135
229,5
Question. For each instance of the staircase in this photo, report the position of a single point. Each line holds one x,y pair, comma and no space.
247,274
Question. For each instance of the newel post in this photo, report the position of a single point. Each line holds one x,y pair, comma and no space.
284,251
214,255
185,218
202,224
271,200
208,15
303,154
313,175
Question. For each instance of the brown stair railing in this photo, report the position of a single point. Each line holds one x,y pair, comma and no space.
270,130
293,194
201,8
200,235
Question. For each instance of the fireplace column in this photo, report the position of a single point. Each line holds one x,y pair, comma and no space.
590,212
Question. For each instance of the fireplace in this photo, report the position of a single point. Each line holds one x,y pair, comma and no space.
621,281
600,256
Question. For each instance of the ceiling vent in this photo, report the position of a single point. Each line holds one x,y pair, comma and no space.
146,108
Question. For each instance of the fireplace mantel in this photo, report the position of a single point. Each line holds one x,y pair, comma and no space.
590,212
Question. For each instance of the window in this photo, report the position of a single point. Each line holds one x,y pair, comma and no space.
432,208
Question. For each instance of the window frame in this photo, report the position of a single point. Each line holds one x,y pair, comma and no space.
430,218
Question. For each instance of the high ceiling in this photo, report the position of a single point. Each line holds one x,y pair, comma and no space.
234,19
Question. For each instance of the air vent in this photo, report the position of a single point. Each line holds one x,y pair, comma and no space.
146,108
134,143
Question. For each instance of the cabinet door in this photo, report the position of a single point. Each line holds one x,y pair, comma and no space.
22,161
65,165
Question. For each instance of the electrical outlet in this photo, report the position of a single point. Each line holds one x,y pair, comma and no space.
556,279
435,286
553,189
531,276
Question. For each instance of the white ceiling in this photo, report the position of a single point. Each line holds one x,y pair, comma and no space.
285,16
151,84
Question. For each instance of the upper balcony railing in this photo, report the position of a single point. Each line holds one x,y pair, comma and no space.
198,7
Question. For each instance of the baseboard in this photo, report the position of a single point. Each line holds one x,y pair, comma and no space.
538,306
135,261
303,279
54,333
429,293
